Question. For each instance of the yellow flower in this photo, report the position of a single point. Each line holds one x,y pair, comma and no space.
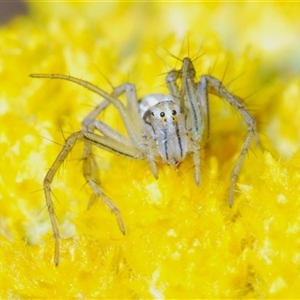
182,241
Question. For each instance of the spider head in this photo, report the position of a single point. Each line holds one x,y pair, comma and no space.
166,126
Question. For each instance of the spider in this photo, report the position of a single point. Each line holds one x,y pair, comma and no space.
160,126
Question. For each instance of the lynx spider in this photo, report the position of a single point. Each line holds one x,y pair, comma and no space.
170,127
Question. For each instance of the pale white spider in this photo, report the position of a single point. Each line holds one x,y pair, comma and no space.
159,126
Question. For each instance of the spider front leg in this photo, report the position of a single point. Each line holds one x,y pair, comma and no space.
212,85
182,86
69,144
102,142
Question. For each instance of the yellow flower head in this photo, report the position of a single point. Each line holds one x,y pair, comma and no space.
182,241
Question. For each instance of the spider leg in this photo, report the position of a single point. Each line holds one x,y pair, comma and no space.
171,81
204,107
90,123
190,103
132,106
196,123
102,142
69,144
213,85
132,126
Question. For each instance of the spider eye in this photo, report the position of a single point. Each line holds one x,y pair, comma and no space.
162,114
152,113
174,112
